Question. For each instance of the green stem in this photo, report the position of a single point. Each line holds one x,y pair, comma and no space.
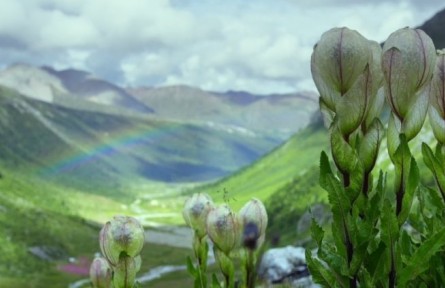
250,269
200,248
226,266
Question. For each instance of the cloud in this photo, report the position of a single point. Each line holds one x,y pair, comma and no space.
260,46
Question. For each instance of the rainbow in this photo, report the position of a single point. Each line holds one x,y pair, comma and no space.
119,140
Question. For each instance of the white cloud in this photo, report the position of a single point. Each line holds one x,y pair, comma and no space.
261,46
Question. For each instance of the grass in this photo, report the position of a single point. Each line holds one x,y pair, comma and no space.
272,172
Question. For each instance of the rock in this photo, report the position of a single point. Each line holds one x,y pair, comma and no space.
285,265
47,253
319,212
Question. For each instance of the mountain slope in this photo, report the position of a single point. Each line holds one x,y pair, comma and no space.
276,115
101,150
262,179
434,28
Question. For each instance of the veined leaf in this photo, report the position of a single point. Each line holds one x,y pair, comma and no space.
412,183
418,262
435,166
320,273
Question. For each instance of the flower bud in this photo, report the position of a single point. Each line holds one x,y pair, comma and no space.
338,60
253,216
408,62
100,273
437,98
122,234
223,228
343,66
196,209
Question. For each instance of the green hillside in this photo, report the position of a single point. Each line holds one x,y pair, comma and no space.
274,171
105,153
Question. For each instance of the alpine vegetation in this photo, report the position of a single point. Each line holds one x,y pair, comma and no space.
382,236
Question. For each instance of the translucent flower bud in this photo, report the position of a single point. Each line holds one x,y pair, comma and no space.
100,273
123,234
223,228
343,70
253,212
196,209
408,62
437,98
339,58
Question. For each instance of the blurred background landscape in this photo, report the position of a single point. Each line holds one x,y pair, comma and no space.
128,107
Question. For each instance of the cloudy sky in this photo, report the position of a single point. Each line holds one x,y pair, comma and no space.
260,46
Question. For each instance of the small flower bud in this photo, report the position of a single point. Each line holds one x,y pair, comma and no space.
253,213
122,234
437,98
408,63
100,273
223,228
196,209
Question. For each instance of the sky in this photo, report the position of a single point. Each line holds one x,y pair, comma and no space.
261,46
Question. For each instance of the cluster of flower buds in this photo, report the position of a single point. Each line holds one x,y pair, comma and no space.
346,69
227,230
408,63
223,226
121,240
437,98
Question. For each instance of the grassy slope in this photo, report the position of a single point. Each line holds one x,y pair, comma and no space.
51,216
272,172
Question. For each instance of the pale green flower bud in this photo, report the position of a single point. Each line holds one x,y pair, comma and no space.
338,60
345,70
196,209
122,234
253,212
223,228
437,98
100,273
408,62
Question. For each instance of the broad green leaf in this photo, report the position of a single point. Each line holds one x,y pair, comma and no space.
215,282
418,262
317,232
190,267
436,167
369,146
320,273
344,155
412,183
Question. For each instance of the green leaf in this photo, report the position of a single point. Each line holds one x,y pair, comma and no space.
411,187
418,262
435,166
345,157
325,169
369,146
215,282
317,232
389,225
320,273
190,267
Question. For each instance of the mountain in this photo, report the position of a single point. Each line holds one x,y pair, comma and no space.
52,86
90,149
277,115
434,27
